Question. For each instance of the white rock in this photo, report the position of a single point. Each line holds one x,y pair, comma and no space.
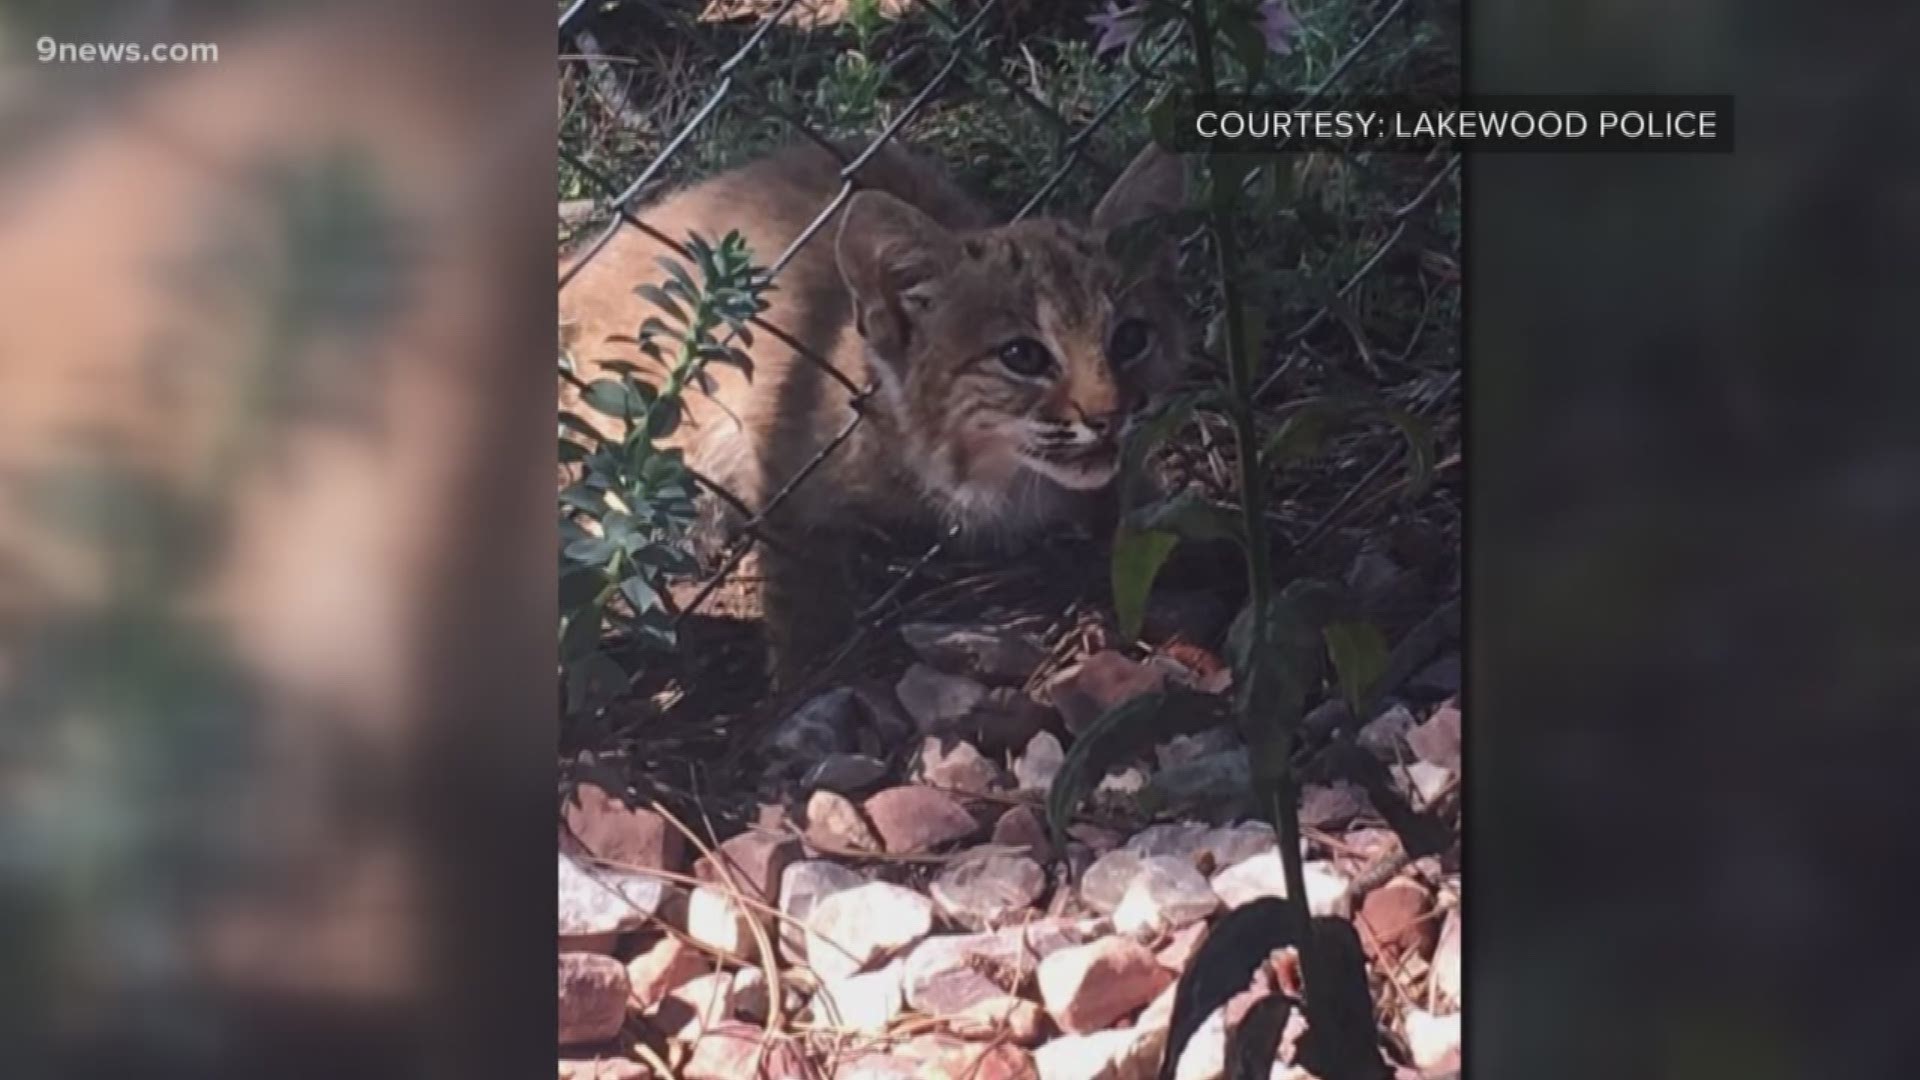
1446,986
1231,845
1120,1054
1429,781
1328,890
1386,735
600,901
1035,769
714,920
935,699
850,930
867,1003
1180,839
803,885
1432,1039
1106,881
988,891
1166,894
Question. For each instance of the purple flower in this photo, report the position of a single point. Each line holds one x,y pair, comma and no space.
1118,27
1278,25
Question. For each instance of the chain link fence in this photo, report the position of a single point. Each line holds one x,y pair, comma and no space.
973,49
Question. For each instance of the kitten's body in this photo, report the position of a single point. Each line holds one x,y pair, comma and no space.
909,289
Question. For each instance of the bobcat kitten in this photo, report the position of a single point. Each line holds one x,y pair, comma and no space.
1005,358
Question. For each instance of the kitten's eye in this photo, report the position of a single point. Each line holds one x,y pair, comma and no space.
1025,356
1130,339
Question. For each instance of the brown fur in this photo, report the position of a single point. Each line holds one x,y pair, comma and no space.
910,290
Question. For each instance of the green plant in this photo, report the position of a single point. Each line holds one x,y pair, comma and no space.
626,515
1280,645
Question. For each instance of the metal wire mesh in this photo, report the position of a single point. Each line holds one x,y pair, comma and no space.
969,48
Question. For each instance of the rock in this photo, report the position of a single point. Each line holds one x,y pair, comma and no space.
867,1003
1182,749
1006,721
951,973
752,1001
1429,782
868,1065
666,966
850,930
1105,883
985,892
1394,919
596,902
828,723
1178,952
937,702
1231,845
1433,1041
846,774
993,655
1385,735
1193,615
1222,781
1096,837
1331,807
1262,875
1087,987
889,724
1098,683
611,830
1180,839
593,998
603,1068
731,1050
714,920
1165,894
755,860
943,1057
914,819
954,764
1437,742
803,885
835,824
1124,1054
1445,988
1017,1020
1021,827
695,1007
1122,782
1035,769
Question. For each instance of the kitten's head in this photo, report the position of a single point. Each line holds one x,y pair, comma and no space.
1022,348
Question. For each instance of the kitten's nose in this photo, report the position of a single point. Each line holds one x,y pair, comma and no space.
1102,425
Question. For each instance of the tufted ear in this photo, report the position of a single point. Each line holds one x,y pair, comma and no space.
891,256
1154,183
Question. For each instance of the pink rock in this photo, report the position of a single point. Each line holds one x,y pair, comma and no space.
1180,947
1020,827
1437,742
736,1051
603,1068
755,859
1099,683
665,967
1394,918
1122,1054
943,1057
948,974
914,819
611,830
593,998
1088,987
1017,1020
954,764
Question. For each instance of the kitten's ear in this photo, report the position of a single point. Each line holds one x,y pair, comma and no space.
1155,183
889,253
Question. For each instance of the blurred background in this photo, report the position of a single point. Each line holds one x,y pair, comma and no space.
269,404
275,568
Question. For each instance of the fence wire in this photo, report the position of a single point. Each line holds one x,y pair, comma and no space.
969,48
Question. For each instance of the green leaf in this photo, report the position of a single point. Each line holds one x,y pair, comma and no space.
1299,437
1121,730
1138,556
1419,449
1191,516
580,633
1359,653
622,399
592,551
659,298
640,593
